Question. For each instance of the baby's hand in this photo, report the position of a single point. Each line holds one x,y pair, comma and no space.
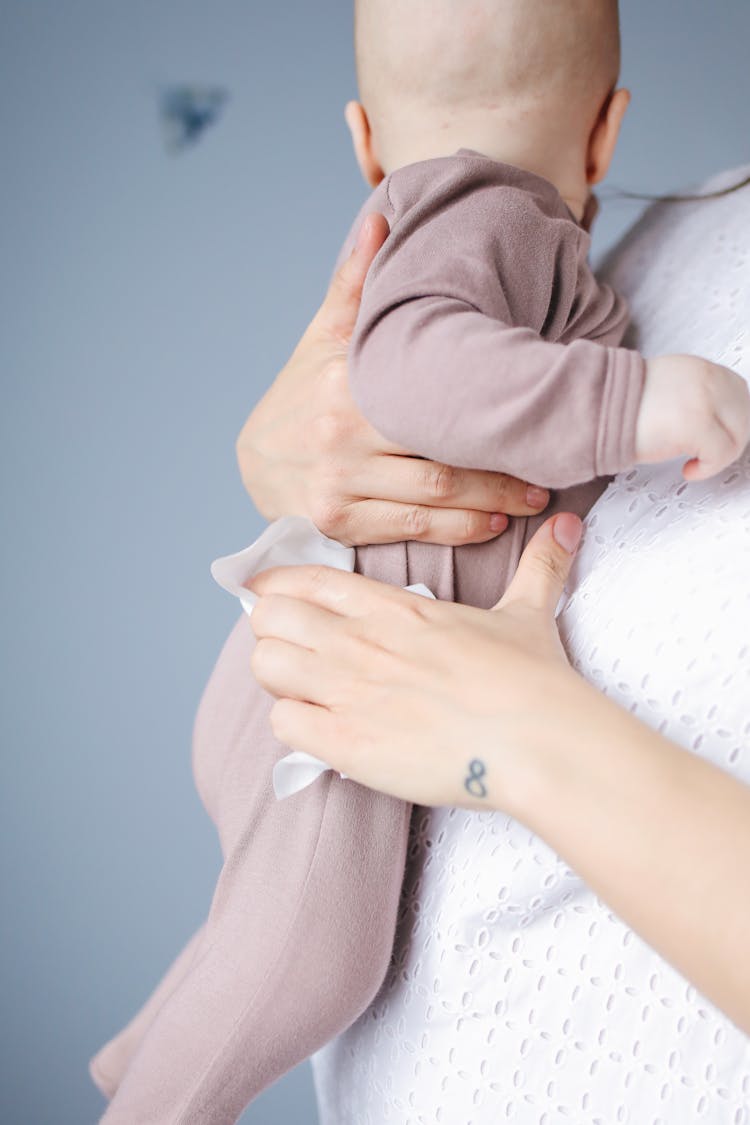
693,408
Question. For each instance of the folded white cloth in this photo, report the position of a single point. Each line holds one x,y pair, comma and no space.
291,541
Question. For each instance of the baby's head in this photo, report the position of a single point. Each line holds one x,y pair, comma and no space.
527,82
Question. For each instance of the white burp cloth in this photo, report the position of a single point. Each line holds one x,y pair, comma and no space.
290,541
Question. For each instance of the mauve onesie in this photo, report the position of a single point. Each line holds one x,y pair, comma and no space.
483,341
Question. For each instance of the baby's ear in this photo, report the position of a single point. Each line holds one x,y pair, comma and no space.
359,127
605,135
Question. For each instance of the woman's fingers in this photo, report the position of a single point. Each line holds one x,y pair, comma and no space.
411,480
343,593
545,565
305,726
338,313
297,622
288,670
425,502
362,522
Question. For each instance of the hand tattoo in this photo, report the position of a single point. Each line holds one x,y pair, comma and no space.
474,783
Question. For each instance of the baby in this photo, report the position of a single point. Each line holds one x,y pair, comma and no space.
485,341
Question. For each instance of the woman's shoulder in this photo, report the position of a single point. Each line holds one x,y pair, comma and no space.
674,219
683,261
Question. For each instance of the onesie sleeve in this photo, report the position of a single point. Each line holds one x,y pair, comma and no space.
438,367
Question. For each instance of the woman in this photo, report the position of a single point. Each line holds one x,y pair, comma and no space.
616,989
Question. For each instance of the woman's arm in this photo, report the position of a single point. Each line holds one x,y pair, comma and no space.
307,450
661,835
390,688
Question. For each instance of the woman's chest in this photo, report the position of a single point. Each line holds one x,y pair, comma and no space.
659,617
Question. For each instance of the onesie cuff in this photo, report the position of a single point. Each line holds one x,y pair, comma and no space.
621,402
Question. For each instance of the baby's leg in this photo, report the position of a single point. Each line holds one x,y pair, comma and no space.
299,934
217,731
110,1063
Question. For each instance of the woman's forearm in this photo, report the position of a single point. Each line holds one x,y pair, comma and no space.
662,836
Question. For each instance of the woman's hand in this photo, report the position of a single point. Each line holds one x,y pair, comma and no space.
441,704
306,449
429,701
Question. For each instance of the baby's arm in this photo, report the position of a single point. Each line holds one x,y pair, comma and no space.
437,367
437,376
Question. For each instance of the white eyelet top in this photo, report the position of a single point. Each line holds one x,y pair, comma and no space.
515,995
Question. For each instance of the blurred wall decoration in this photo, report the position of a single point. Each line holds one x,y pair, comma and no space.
187,111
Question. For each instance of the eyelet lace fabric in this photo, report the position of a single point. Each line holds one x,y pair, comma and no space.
515,994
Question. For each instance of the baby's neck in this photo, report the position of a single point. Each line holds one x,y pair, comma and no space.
544,155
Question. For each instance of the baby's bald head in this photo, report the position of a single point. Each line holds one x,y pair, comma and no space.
424,64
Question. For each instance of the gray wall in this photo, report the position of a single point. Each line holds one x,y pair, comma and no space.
147,299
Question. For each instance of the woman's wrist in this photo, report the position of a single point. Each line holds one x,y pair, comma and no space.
540,755
583,754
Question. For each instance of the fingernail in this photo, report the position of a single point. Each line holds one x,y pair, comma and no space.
567,531
498,522
537,497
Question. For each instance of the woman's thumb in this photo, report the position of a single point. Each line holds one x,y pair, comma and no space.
339,311
545,565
